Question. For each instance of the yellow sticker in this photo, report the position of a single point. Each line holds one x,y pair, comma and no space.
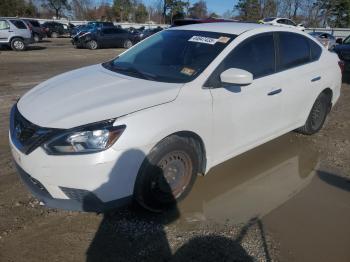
188,71
223,39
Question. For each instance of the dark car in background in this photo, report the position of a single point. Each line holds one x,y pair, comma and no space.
54,29
90,26
143,34
343,51
104,38
38,31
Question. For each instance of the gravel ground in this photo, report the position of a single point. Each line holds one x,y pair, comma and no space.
30,232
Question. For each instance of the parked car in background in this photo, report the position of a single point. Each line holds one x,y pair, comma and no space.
90,26
132,128
325,39
143,34
15,33
285,22
104,38
38,30
54,29
343,50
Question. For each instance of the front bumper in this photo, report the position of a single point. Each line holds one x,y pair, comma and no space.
81,200
94,183
89,182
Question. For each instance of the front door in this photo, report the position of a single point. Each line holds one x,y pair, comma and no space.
244,116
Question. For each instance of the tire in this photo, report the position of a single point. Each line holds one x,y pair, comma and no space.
92,45
54,35
17,44
167,174
127,44
36,38
317,116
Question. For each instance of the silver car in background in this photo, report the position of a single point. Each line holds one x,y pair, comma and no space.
15,33
326,39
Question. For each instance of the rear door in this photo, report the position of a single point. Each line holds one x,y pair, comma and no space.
106,38
300,74
120,35
5,31
21,29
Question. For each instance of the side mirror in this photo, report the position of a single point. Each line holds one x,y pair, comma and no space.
301,25
236,76
339,41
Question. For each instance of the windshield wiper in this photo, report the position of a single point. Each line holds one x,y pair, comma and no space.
135,71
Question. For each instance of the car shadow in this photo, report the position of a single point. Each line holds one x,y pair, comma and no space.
335,180
35,48
134,234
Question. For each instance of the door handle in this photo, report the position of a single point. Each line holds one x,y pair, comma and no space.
275,92
316,79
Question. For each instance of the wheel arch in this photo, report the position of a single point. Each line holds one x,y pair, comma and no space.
13,37
329,92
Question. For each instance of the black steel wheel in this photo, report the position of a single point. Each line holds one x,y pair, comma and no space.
317,116
167,174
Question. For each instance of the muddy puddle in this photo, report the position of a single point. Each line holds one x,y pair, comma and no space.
251,185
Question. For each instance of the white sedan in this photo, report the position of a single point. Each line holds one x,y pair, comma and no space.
285,22
143,125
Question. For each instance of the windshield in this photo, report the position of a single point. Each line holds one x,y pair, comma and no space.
175,56
346,41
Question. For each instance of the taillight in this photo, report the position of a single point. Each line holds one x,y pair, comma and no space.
341,65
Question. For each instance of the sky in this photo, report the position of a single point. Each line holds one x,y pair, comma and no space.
217,6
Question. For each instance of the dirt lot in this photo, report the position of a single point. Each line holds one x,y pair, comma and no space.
288,200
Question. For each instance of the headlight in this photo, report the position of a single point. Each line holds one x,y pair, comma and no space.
86,139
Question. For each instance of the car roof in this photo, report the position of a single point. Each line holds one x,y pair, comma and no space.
235,28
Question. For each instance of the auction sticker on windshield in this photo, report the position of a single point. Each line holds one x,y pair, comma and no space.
203,40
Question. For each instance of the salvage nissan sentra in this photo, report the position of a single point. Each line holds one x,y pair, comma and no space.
143,125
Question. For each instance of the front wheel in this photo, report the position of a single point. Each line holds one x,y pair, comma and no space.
18,44
317,116
92,45
127,44
167,174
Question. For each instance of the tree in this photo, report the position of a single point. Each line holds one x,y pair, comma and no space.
141,13
122,9
198,10
58,6
17,8
249,10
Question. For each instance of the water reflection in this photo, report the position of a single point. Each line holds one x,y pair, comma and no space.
253,184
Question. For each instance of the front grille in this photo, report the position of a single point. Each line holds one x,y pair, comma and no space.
26,135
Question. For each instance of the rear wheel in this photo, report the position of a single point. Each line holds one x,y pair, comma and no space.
18,44
54,35
167,174
92,45
317,116
36,38
127,44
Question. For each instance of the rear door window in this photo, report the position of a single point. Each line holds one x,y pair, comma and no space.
294,50
19,24
315,50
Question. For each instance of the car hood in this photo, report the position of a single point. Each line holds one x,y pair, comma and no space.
89,95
